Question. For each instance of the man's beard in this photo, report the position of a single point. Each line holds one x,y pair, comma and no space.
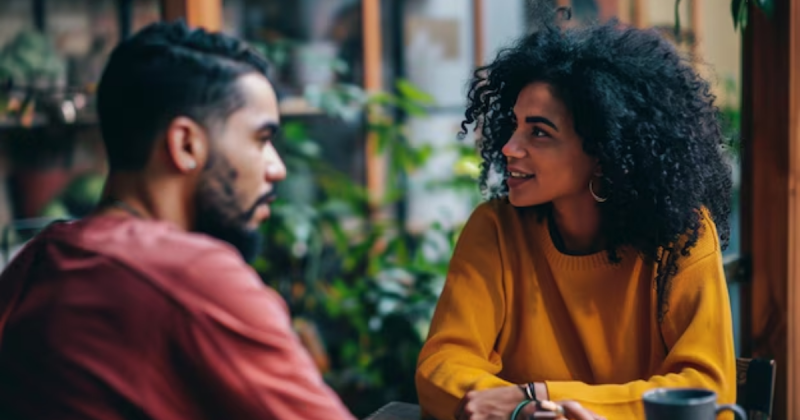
211,221
220,214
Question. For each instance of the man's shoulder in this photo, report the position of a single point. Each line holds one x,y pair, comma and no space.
138,242
205,277
155,251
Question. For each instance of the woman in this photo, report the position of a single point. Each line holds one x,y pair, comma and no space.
596,274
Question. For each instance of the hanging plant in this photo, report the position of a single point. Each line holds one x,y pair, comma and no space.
739,10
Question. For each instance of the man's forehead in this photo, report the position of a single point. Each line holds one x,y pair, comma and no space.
260,100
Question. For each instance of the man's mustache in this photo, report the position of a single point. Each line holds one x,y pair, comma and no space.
264,199
268,197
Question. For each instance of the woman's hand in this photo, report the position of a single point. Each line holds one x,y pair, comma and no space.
491,404
499,403
572,411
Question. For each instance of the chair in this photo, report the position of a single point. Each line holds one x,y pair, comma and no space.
396,411
10,235
755,387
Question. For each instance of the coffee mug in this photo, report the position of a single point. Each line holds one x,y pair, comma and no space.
685,404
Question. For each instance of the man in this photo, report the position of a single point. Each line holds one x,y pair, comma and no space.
147,309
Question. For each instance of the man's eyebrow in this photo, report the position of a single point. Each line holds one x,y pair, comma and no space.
537,119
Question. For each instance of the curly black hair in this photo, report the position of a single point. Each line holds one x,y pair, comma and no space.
641,109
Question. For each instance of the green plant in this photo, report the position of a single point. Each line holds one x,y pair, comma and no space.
368,285
739,10
28,57
28,60
731,117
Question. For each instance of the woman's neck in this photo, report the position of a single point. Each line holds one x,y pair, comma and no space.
575,228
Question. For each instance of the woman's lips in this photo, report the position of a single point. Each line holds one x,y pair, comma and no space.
517,176
514,182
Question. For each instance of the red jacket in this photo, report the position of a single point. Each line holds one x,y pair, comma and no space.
118,318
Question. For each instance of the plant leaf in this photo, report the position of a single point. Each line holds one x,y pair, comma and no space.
744,13
735,9
767,6
408,90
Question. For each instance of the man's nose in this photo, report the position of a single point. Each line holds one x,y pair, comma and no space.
275,168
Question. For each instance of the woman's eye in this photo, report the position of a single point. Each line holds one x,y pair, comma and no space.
538,132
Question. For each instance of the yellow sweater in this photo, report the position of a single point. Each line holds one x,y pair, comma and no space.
515,310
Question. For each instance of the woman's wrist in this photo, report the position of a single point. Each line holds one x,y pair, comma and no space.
528,391
540,391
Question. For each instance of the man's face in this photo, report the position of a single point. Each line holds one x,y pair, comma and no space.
238,181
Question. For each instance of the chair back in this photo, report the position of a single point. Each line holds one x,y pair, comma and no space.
396,411
755,387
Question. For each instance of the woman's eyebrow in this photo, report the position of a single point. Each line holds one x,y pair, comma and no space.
538,119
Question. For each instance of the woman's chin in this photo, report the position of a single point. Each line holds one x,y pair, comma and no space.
521,200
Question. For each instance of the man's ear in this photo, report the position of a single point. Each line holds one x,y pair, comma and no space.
187,144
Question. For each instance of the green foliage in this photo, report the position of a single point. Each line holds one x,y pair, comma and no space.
28,59
731,118
677,19
740,14
368,285
29,56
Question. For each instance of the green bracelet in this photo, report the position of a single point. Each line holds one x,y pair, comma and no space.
519,408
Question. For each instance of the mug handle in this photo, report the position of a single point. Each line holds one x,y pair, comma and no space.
740,414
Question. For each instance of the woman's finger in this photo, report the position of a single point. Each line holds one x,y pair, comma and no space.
575,411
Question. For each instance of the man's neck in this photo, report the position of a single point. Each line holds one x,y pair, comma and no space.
135,195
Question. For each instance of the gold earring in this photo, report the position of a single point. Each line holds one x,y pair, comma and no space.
595,196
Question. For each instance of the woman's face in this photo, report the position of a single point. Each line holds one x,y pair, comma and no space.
546,161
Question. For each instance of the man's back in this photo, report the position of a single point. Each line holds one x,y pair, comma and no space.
120,318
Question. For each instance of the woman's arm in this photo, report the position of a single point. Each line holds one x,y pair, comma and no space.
459,356
699,335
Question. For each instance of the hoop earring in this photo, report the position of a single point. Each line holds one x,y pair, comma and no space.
595,196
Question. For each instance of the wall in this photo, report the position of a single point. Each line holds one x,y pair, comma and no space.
719,46
439,60
504,23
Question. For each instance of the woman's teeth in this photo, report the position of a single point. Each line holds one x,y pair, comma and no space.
520,175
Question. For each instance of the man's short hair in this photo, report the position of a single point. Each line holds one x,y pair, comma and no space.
165,71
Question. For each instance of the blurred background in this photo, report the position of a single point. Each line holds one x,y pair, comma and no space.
372,94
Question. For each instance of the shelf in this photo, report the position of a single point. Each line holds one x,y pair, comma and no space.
41,122
290,107
296,106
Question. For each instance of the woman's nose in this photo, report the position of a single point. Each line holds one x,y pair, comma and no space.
512,149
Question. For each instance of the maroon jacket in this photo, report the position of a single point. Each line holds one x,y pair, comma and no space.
119,318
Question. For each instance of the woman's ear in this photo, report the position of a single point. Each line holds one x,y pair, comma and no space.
598,170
